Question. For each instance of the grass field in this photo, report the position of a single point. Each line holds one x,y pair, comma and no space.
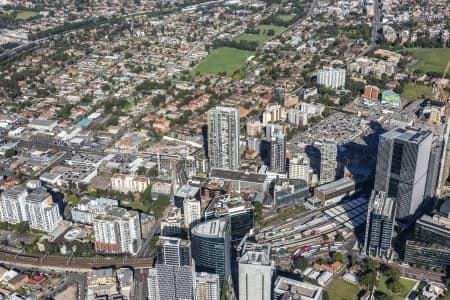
285,18
223,60
262,37
407,286
341,290
413,91
431,59
24,15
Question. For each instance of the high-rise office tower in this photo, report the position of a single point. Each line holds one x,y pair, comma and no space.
223,138
211,247
380,225
331,78
207,286
192,212
299,168
402,165
255,275
328,156
174,269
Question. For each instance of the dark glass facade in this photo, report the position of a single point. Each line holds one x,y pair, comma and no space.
426,255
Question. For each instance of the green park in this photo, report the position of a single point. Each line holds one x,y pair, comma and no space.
223,59
430,60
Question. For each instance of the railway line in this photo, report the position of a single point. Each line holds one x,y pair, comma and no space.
60,262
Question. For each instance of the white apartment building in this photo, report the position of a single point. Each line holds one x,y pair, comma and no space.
192,212
299,168
331,78
36,207
272,114
129,183
88,208
118,231
312,109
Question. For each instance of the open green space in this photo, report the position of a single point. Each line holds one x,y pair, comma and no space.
431,59
413,91
407,285
341,289
285,18
23,14
263,35
223,59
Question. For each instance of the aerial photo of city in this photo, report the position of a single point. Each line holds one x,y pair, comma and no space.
224,150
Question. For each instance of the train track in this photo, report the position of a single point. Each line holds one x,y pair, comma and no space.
73,262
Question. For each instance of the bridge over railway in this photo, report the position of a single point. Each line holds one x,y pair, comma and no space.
71,263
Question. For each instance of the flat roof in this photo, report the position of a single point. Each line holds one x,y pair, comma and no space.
212,228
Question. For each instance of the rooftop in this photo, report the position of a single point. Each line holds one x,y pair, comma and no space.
408,134
211,229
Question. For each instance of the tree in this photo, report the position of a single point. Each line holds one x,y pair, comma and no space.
23,227
301,263
10,153
369,280
337,256
141,170
73,199
339,237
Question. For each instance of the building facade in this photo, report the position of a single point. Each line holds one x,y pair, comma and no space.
299,168
328,155
255,275
192,212
174,269
207,286
402,166
118,231
223,138
211,244
380,225
331,78
36,207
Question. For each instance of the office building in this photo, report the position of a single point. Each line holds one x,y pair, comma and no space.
289,192
328,156
223,138
402,165
211,247
207,286
192,212
335,191
299,168
174,269
117,231
239,213
427,255
433,229
331,78
171,224
255,275
186,191
36,207
286,288
380,225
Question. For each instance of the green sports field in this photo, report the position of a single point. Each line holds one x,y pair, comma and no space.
223,60
431,59
262,37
